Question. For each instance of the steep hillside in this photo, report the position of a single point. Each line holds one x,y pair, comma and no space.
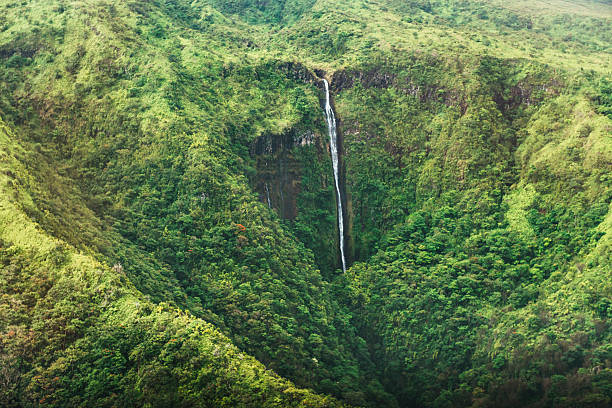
482,224
76,332
151,138
169,233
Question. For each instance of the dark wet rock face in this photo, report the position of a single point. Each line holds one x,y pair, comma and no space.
381,79
296,71
527,94
279,172
270,144
371,79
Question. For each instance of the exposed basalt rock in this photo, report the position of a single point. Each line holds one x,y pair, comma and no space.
526,93
270,144
300,73
428,93
371,79
342,80
279,174
296,71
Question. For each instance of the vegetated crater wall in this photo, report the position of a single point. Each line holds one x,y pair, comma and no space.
280,161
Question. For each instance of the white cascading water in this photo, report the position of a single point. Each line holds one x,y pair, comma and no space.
268,195
333,141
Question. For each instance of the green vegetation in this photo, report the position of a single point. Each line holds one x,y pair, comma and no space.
477,220
167,218
76,332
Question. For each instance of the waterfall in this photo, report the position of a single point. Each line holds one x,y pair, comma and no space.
268,195
333,142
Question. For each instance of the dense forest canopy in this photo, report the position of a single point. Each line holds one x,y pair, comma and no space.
169,226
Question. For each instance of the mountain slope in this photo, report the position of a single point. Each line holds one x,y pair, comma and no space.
184,144
152,153
75,332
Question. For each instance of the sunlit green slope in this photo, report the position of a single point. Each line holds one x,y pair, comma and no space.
75,332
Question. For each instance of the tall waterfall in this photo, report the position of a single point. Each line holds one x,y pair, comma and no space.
333,141
268,195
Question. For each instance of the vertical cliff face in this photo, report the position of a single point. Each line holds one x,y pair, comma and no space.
279,169
343,195
334,151
294,178
347,203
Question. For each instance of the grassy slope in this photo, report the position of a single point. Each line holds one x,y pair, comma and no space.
336,34
593,8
